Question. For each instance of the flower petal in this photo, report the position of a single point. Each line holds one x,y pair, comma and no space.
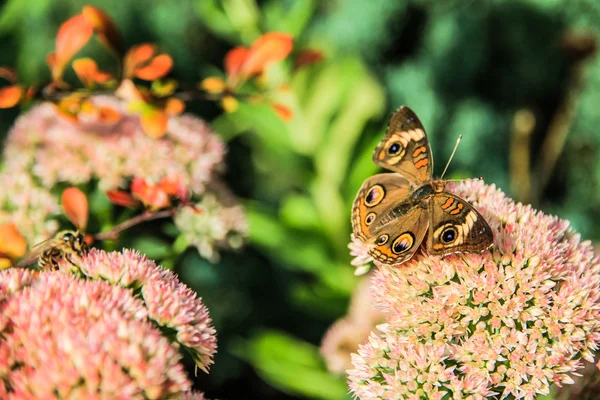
71,37
128,91
137,56
10,96
284,112
150,195
75,206
213,85
154,123
267,49
157,68
87,72
104,27
12,244
230,104
122,198
174,106
234,60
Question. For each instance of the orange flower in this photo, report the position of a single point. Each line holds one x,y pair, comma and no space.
75,33
154,118
152,196
12,245
284,112
75,105
122,198
88,73
242,63
104,27
174,187
75,206
11,95
142,62
71,37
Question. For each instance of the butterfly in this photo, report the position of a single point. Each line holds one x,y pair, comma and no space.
393,212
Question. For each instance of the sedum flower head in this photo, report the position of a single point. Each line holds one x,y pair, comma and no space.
44,149
192,395
346,334
56,150
170,304
63,337
510,321
27,206
217,225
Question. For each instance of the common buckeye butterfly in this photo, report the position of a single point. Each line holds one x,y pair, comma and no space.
393,211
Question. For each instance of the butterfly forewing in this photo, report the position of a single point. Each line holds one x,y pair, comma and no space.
373,206
405,148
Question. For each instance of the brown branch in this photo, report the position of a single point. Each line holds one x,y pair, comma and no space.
523,125
185,95
579,48
147,216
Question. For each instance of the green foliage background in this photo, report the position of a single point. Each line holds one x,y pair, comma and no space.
466,67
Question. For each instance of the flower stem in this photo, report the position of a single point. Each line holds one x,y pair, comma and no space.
138,219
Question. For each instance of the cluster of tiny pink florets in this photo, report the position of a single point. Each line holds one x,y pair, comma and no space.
68,338
346,334
45,149
104,332
55,150
169,303
511,321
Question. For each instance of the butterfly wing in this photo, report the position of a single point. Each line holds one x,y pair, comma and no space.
385,217
396,243
456,226
405,148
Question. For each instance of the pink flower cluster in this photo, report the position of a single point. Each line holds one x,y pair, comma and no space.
511,321
28,206
169,303
107,336
54,149
68,338
218,225
344,336
45,149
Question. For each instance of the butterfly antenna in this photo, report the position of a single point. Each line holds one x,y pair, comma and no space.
451,156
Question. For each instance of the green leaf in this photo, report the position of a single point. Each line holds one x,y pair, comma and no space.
285,17
298,211
292,365
216,20
15,11
151,246
180,245
296,249
100,206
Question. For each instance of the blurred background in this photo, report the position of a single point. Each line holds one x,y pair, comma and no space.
520,80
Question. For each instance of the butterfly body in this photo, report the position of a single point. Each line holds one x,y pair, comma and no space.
393,212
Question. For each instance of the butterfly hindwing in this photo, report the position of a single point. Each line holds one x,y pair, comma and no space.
397,242
456,226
